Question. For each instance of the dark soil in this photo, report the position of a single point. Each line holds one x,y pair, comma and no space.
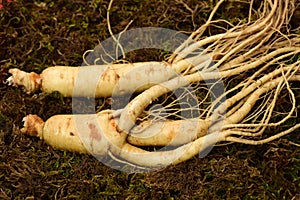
37,34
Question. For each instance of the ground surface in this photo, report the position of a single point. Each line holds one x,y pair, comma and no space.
35,35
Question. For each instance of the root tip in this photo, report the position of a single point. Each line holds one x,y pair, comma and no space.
33,125
30,81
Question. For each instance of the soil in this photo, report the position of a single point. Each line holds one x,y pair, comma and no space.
38,34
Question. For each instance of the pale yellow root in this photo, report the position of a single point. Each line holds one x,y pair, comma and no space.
93,134
178,155
169,132
64,138
97,80
98,135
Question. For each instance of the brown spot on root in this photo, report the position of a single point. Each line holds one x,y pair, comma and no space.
113,123
171,135
36,81
117,77
71,134
119,130
94,134
68,122
110,75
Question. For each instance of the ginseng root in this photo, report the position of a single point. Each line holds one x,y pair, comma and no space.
260,51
